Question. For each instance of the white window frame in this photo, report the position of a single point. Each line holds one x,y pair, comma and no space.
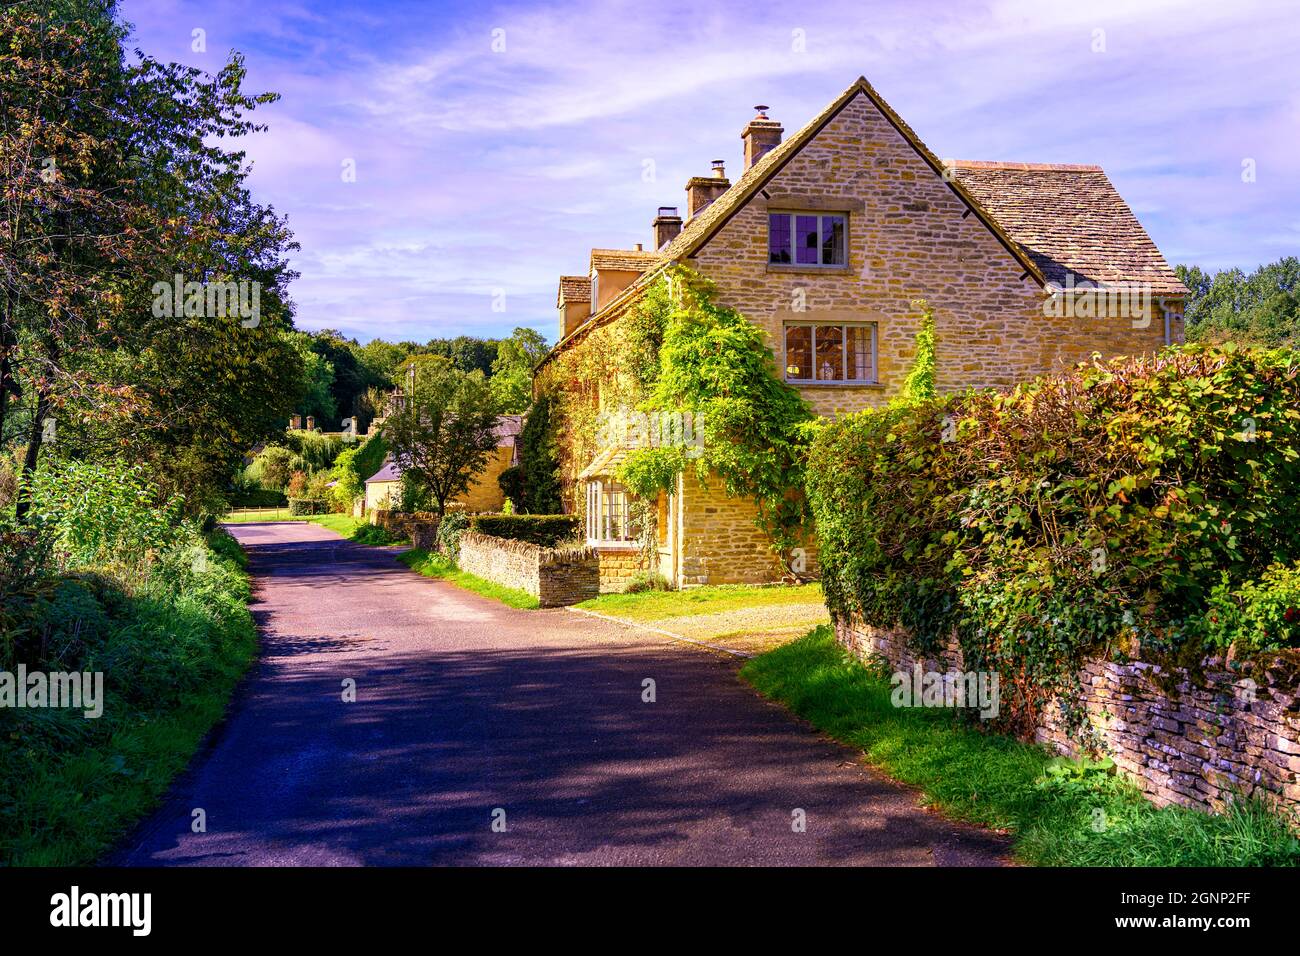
595,290
821,215
600,515
844,327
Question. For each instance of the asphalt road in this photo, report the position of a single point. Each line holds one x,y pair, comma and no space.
469,714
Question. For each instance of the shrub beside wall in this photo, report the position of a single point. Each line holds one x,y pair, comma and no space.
555,576
1114,513
546,530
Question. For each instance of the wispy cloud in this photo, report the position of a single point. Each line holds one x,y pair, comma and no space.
494,144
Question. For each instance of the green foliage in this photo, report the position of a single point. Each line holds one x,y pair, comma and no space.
1261,614
103,513
1079,515
1262,308
1049,808
352,467
450,528
546,530
540,461
512,371
444,432
105,576
919,386
310,506
316,450
717,365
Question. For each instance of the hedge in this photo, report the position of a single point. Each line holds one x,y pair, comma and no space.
1094,512
546,530
309,506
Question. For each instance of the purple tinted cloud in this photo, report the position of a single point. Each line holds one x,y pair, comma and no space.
479,171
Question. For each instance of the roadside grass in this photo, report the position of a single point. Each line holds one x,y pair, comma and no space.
1086,819
70,787
657,605
356,529
433,565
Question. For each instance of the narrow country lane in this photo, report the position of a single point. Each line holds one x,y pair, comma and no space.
465,707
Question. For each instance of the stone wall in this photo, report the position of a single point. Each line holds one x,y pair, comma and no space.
1190,739
555,576
617,568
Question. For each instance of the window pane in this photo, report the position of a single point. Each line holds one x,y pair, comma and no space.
862,362
830,353
833,241
805,238
778,237
798,351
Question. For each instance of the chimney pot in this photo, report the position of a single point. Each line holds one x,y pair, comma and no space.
702,190
666,225
760,136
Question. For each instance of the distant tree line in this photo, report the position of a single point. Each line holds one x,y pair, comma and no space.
345,378
1259,308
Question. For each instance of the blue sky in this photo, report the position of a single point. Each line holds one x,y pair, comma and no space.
482,171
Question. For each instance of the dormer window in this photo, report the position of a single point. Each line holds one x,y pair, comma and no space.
807,239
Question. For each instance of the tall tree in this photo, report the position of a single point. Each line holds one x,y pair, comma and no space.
512,372
116,182
445,430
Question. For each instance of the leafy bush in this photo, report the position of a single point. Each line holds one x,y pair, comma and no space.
644,581
546,530
309,506
1258,615
102,513
452,526
1091,512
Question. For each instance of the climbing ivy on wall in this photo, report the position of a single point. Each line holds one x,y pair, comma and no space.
677,350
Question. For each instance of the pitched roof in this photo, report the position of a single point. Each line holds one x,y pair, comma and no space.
700,228
1069,219
389,472
623,260
573,289
506,429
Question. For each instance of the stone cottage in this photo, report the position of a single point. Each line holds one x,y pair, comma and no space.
827,240
383,488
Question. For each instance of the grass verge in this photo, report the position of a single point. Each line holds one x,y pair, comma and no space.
171,655
657,605
433,565
1084,819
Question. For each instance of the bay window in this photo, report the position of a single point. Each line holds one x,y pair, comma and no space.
608,519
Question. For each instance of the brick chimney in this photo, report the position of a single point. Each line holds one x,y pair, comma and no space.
295,423
667,224
311,423
760,136
702,190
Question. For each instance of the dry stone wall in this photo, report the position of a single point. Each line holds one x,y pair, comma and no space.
1196,739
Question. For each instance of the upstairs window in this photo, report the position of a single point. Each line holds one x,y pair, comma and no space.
830,353
807,239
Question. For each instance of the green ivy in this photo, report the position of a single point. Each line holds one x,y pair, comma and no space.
716,364
1100,511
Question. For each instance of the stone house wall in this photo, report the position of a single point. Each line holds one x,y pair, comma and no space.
1196,740
555,576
